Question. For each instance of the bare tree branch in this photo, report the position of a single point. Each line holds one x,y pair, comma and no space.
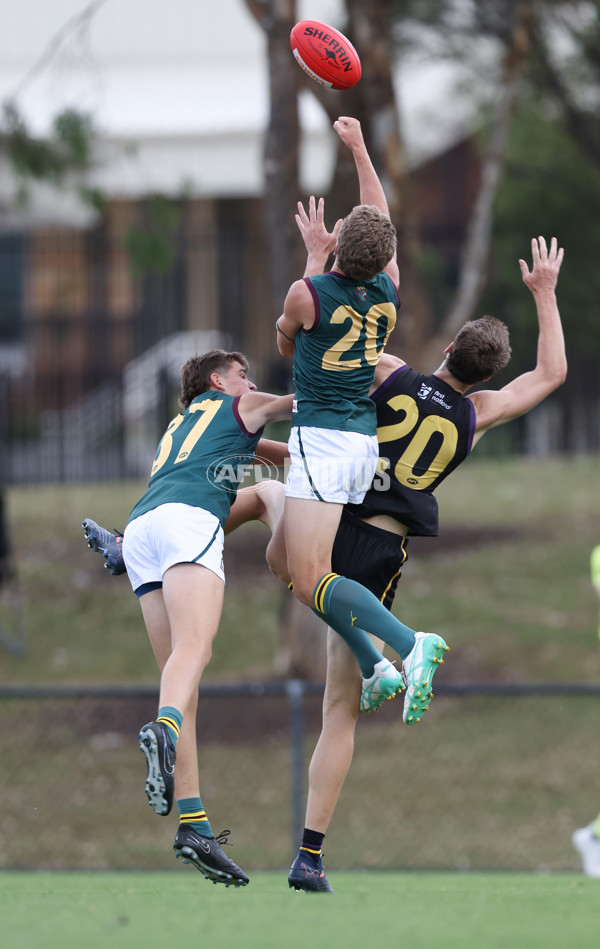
75,25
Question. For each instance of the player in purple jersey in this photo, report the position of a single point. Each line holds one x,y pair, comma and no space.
422,449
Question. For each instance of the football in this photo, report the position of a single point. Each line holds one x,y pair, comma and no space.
325,54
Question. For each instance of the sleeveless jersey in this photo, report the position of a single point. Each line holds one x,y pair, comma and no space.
425,429
334,361
201,458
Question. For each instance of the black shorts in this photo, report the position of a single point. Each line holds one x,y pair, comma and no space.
369,555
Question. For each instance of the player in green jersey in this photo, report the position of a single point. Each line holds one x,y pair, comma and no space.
172,548
335,325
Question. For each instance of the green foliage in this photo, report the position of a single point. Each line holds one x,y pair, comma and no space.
74,131
67,149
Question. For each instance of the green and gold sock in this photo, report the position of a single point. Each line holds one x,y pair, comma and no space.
172,718
191,812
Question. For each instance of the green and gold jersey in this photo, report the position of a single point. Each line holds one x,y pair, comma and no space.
201,458
334,360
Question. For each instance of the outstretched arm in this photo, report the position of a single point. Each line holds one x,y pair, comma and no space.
298,309
527,390
371,189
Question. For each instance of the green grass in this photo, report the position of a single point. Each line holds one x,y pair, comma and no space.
482,784
456,911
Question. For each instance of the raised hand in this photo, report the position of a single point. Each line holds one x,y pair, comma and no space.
349,131
546,265
317,239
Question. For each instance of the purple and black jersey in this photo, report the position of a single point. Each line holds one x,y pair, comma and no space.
425,430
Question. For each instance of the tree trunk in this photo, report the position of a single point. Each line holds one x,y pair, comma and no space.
282,140
303,640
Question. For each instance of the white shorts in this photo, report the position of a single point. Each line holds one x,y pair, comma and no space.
327,465
170,534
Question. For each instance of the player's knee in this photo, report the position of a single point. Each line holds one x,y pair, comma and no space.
340,709
303,591
277,562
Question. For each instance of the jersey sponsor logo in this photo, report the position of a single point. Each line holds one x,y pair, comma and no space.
362,294
429,393
438,398
239,471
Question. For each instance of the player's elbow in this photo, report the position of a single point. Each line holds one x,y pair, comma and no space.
285,347
559,374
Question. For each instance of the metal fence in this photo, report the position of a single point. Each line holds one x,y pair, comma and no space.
494,778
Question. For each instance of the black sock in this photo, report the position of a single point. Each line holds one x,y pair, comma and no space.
311,844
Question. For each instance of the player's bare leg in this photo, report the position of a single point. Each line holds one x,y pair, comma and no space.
159,633
258,502
332,756
194,842
330,761
182,620
263,502
310,528
193,597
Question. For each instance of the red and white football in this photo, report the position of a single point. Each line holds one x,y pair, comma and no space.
325,54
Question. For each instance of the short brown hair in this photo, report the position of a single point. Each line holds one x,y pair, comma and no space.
366,242
196,372
481,348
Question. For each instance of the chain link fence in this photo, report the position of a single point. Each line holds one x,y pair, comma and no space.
492,779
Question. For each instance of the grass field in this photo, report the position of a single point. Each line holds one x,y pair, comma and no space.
154,911
508,780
